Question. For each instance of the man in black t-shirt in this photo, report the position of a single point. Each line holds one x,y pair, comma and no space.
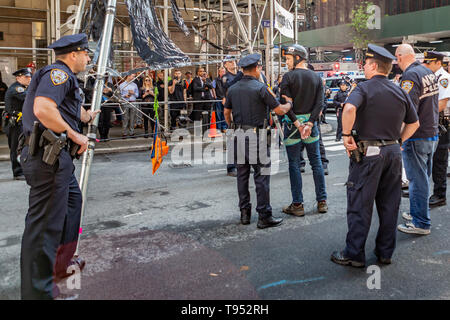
177,92
306,89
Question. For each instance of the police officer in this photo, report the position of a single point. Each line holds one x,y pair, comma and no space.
247,101
51,113
14,98
232,75
421,85
433,60
305,87
338,102
372,120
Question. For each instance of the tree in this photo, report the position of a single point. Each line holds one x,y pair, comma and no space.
359,25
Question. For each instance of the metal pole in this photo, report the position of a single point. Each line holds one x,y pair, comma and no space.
241,26
166,71
296,23
271,42
79,16
58,19
221,28
249,21
96,104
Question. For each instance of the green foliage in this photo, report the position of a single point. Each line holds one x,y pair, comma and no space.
361,37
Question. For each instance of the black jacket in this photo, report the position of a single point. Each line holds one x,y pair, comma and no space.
198,89
339,98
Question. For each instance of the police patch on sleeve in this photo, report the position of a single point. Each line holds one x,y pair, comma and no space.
407,85
20,89
58,76
444,83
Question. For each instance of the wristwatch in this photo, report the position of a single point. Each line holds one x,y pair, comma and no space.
347,135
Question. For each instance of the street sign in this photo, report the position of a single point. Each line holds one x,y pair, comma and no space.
266,23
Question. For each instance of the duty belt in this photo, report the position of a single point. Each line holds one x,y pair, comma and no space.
376,143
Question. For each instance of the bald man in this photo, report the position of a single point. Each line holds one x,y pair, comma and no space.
421,85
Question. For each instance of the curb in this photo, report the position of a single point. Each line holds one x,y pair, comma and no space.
325,128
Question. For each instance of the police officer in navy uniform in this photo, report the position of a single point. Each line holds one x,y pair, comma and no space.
433,60
14,98
247,102
372,120
53,108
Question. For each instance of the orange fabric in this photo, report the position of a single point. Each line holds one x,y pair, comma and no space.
213,133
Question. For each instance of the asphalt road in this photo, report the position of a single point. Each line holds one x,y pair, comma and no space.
176,235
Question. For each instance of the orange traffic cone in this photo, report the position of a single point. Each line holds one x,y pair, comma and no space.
213,133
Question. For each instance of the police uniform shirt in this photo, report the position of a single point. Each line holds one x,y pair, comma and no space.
14,97
58,83
229,78
248,101
444,88
382,107
421,85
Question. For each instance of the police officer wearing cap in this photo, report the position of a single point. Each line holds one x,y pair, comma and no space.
14,98
246,103
51,113
433,61
372,120
305,87
421,85
338,101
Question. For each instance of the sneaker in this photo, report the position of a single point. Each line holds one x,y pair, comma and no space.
296,210
232,173
409,227
407,216
436,201
325,171
322,206
302,169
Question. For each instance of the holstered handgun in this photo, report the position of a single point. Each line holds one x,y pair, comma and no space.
358,153
53,147
74,150
5,119
33,144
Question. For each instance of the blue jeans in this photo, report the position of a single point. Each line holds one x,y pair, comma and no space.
220,119
418,161
313,151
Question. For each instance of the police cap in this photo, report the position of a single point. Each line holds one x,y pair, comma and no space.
23,72
380,53
294,50
74,42
250,60
430,56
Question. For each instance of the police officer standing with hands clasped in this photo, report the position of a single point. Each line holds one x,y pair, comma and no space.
14,98
247,102
372,120
51,113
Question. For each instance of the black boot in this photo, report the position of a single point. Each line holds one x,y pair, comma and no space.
246,214
268,222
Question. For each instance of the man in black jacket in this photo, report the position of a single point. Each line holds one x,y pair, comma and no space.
200,91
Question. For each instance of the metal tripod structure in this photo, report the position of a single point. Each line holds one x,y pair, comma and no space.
244,32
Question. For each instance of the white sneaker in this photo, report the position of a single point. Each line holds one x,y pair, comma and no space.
407,216
409,227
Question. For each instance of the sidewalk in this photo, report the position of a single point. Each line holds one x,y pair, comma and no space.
117,144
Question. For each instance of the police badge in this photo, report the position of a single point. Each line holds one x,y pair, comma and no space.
444,83
58,76
20,89
407,85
